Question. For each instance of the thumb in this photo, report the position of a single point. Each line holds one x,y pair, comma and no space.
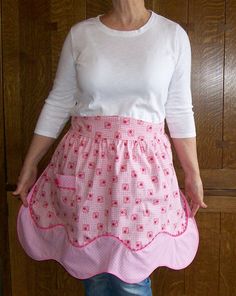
16,192
203,204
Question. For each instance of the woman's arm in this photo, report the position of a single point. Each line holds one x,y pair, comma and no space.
37,149
187,154
28,174
62,97
180,120
53,117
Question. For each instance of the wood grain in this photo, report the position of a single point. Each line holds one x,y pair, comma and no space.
220,179
5,278
227,284
10,125
229,153
202,276
207,77
32,36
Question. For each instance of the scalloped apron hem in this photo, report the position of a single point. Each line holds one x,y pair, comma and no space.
109,201
108,254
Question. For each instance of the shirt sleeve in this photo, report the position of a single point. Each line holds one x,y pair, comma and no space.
62,97
178,107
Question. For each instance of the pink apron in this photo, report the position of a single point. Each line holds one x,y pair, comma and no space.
109,201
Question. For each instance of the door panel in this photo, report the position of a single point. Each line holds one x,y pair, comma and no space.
32,36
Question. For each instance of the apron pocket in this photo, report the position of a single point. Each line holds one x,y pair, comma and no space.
65,181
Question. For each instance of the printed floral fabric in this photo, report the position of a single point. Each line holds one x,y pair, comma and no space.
111,176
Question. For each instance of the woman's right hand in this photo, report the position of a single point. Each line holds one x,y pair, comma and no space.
26,179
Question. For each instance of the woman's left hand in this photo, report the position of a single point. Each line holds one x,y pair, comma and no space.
194,191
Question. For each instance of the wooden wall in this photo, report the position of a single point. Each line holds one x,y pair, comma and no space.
32,33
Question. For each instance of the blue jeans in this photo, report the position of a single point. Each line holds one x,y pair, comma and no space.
107,284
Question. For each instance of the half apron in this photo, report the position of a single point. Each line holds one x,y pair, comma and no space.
109,201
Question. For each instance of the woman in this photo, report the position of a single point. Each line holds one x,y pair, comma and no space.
111,182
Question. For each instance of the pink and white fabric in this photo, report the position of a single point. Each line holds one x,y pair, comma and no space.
109,201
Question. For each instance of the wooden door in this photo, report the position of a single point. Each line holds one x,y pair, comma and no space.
32,35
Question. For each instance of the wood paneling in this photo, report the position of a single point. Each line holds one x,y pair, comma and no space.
11,87
174,10
229,152
5,278
9,93
207,76
32,36
202,276
220,179
227,284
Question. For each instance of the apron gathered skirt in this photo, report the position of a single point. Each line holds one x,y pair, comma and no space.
109,201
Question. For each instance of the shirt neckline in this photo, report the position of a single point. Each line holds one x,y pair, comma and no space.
116,32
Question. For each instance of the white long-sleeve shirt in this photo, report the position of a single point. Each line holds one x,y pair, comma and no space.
143,73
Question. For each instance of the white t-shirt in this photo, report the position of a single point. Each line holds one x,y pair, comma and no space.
143,73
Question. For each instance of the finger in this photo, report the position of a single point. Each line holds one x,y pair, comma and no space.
22,195
17,193
18,190
24,198
194,210
203,204
24,201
